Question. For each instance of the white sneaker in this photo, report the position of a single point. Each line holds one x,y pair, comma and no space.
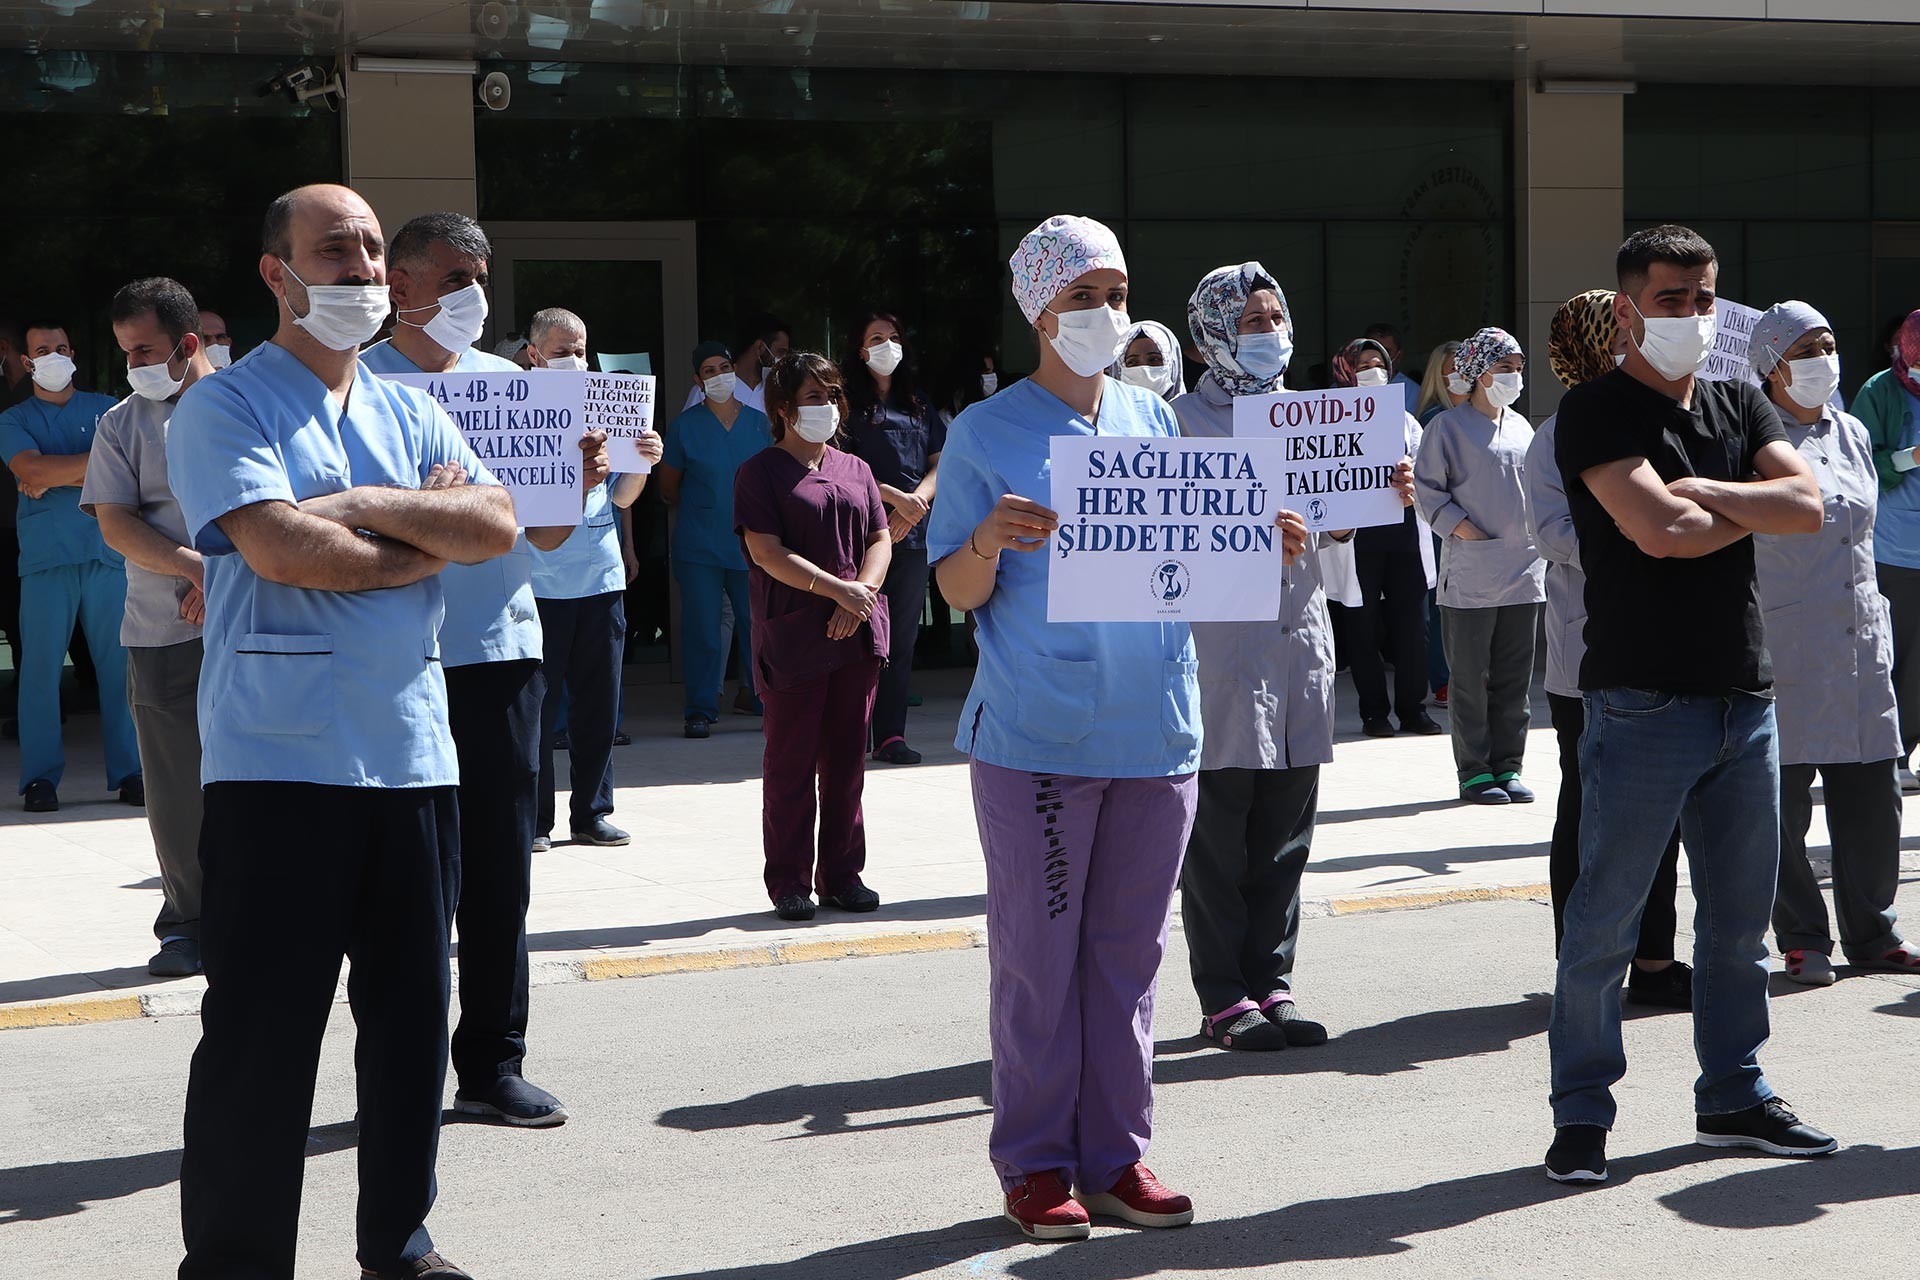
1809,968
1909,784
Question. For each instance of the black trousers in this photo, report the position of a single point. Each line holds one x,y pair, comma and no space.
10,614
1901,587
906,592
1863,818
298,876
494,708
1393,596
1660,919
1240,884
585,641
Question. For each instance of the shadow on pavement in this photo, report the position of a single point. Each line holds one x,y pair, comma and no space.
34,1192
1408,809
917,910
100,982
1430,862
1792,1193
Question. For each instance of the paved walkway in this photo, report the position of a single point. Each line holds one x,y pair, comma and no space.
81,886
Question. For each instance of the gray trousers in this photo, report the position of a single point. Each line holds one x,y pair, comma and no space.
163,685
1240,884
1901,587
1863,817
1490,657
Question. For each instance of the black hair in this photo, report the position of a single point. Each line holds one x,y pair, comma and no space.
47,323
1681,246
277,230
783,383
863,392
760,328
1385,330
167,301
455,230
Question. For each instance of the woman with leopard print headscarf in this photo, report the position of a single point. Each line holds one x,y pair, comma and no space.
1585,342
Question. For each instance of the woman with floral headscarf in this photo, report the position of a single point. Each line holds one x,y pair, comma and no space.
1584,341
1395,566
1267,702
1084,738
1470,476
1889,405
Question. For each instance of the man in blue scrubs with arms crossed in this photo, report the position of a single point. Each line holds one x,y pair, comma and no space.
66,572
490,648
326,501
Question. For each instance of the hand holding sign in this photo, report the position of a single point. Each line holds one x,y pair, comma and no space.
1014,524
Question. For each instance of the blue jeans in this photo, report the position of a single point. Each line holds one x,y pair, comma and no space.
1647,759
703,663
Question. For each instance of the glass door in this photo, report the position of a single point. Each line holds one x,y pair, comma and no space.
634,285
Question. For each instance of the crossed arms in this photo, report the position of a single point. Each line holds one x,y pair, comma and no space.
1693,517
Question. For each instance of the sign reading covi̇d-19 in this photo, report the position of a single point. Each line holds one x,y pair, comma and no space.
1341,448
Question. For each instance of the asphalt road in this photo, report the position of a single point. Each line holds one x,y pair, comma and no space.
828,1120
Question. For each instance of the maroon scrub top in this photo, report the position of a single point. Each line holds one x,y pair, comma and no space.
828,516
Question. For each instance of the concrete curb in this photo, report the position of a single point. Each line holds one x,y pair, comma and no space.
122,1006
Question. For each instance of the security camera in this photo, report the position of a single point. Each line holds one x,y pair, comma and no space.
495,91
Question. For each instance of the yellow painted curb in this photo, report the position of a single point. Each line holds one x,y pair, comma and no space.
70,1012
601,968
1361,903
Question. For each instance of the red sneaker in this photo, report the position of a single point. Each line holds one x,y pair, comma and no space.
1043,1210
1440,696
1139,1198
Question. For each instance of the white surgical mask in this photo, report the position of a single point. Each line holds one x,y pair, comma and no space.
884,357
341,317
817,423
1370,378
219,355
1677,346
53,372
1815,379
1457,385
568,364
1264,355
719,388
1506,389
989,383
156,381
457,325
1089,340
1156,378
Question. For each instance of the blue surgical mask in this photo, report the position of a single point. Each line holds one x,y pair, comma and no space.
1264,355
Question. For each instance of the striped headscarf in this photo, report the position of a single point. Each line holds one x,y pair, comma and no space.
1580,339
1344,373
1482,351
1213,318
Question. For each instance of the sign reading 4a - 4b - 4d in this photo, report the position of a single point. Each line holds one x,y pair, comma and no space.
1154,529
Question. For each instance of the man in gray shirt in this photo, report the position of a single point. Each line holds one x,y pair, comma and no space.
156,323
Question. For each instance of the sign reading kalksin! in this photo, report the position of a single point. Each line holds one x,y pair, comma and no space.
1729,360
1157,529
1341,449
620,404
526,428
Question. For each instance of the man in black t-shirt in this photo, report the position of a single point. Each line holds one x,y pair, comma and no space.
1666,478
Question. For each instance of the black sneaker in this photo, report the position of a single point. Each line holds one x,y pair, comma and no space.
430,1267
1669,988
1381,728
176,958
1302,1033
1517,791
897,752
41,797
512,1100
696,727
1249,1031
602,833
859,899
1423,724
1769,1127
134,792
795,906
563,741
1485,793
622,738
1578,1154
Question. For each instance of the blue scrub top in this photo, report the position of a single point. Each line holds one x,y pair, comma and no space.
588,563
707,454
491,616
332,687
1085,699
54,531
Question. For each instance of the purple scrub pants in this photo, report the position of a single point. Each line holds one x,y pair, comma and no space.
816,738
1080,880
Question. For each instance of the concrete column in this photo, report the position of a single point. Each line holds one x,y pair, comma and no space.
1568,175
409,144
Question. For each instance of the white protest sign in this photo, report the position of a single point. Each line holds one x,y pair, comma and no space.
1154,529
526,429
1341,448
1729,361
621,405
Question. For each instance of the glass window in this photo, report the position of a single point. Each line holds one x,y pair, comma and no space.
1746,151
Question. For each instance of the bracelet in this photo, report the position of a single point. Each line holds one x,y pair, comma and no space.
813,581
976,550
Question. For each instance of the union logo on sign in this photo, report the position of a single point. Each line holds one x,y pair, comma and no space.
1171,581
